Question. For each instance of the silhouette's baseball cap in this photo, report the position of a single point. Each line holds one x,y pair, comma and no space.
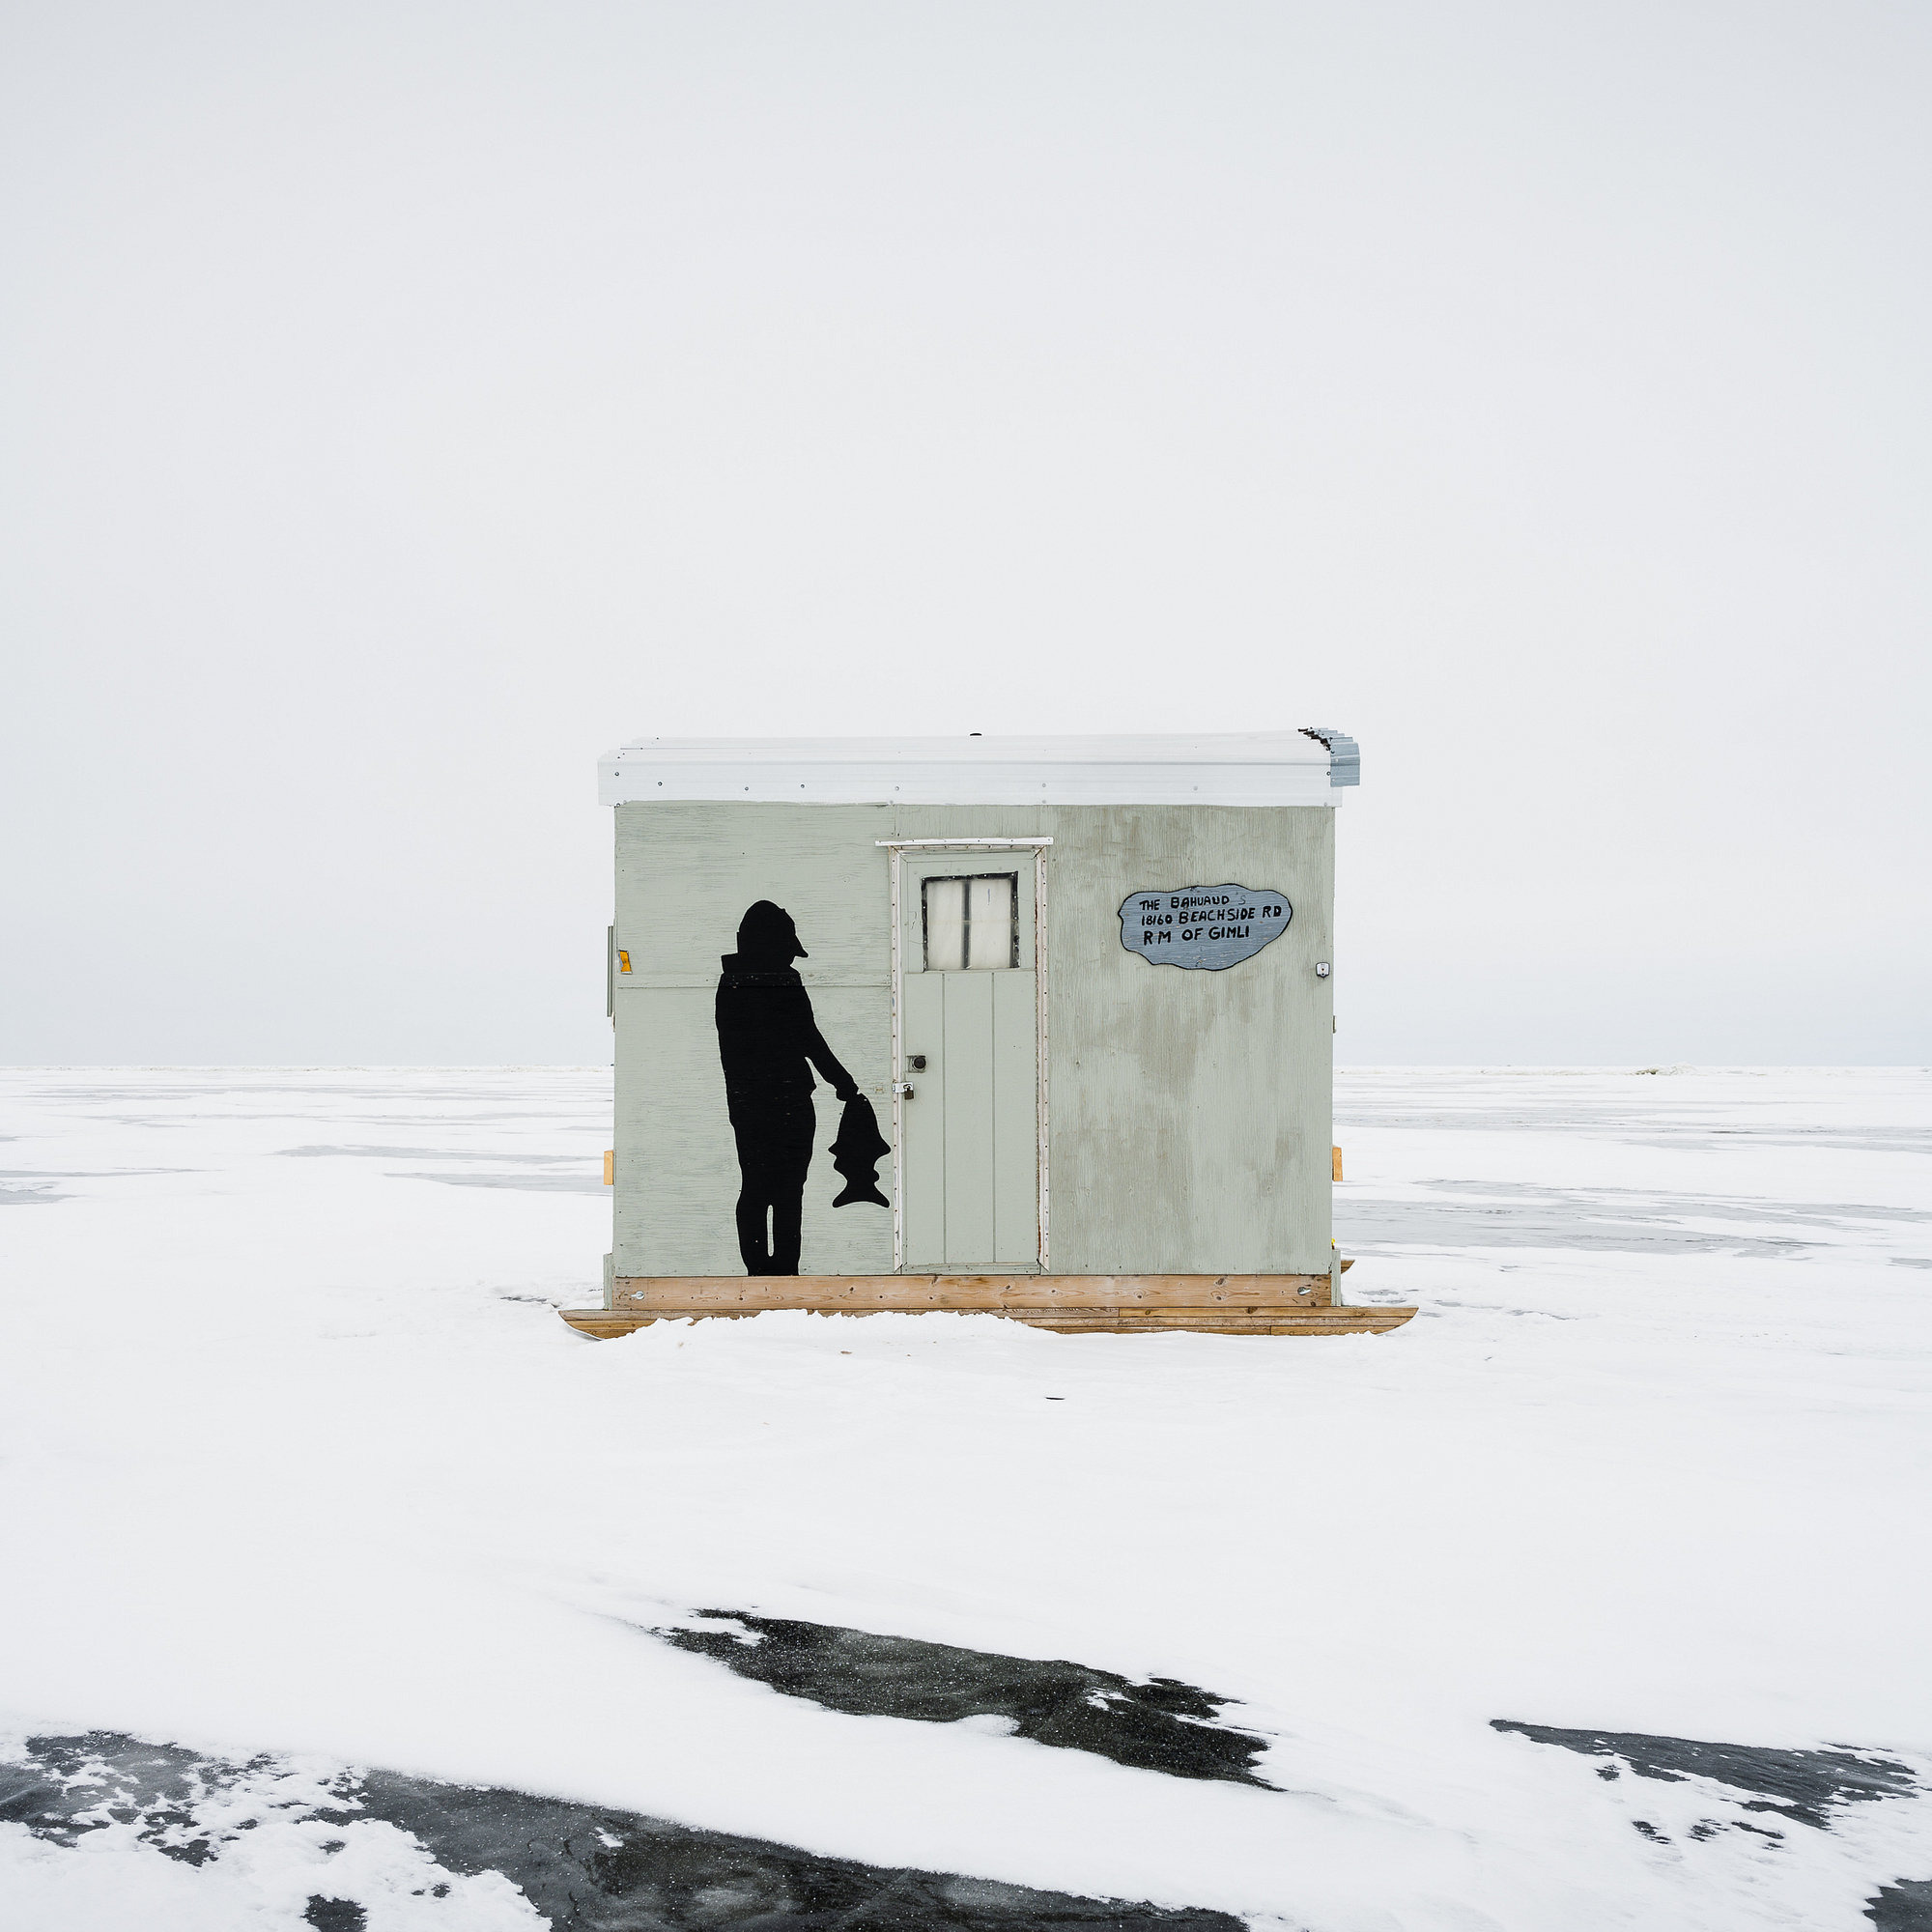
767,929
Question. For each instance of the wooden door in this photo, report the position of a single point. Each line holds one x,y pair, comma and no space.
970,1013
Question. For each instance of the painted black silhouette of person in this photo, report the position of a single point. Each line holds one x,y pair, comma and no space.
766,1034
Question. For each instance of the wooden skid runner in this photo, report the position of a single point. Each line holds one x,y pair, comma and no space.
605,1322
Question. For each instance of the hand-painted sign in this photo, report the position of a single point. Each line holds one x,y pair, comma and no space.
1213,926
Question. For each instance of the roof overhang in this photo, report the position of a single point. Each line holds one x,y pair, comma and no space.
1258,768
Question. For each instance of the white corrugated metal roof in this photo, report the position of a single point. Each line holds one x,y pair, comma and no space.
1207,768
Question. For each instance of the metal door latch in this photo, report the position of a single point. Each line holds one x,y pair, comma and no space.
900,1088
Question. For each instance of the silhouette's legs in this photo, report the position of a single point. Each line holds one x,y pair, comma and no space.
774,1157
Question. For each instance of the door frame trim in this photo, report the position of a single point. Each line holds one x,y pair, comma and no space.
898,848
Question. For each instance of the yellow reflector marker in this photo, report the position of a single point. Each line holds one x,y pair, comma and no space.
610,1169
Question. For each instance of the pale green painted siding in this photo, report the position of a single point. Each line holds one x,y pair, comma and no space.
1190,1111
685,876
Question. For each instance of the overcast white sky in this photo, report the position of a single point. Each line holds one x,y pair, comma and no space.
404,403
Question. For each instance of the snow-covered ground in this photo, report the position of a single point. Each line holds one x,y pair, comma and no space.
296,1460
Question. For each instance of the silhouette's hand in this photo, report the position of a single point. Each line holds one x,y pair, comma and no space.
845,1095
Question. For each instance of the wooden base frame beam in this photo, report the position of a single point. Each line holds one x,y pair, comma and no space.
1222,1304
604,1323
643,1294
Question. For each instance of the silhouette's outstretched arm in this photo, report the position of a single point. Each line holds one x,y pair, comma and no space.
821,1056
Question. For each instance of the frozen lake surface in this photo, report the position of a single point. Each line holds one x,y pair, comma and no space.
348,1588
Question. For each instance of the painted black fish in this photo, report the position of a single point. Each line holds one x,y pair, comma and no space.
857,1153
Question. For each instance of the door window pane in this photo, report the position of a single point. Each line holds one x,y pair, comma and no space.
972,925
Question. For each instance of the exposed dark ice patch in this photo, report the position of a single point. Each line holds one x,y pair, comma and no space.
531,1183
1371,1226
86,1173
1903,1907
40,1184
355,1152
1527,1214
68,1787
28,1197
657,1874
579,1173
334,1915
1801,1785
585,1868
1631,1116
1161,1726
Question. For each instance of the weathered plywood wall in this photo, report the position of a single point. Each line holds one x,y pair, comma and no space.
685,875
1190,1109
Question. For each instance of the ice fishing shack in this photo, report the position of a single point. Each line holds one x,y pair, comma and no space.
1035,1026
